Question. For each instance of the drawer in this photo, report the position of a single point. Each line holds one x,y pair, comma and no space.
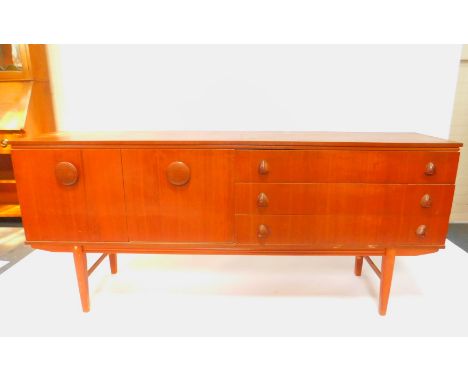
350,166
340,231
343,198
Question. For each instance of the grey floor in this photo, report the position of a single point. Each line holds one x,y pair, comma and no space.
458,234
13,249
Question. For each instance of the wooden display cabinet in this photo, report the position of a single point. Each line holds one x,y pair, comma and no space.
25,109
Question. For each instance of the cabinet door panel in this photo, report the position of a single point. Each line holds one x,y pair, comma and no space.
92,208
51,211
105,197
197,209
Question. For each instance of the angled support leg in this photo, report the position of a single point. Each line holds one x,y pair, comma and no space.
388,262
81,267
358,265
113,262
83,273
385,274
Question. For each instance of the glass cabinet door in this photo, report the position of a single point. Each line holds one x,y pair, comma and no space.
10,57
14,63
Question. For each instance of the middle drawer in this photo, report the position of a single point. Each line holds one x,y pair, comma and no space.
342,198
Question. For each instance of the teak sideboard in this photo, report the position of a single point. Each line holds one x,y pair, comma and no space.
240,193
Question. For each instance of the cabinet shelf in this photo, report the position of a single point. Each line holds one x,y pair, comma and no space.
10,211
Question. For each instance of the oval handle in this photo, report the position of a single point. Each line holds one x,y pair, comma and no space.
66,173
421,230
263,231
178,173
4,142
263,167
430,169
426,201
262,200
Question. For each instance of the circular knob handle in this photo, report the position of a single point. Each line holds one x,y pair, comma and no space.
66,173
263,231
4,142
178,173
430,169
426,201
262,200
263,167
421,230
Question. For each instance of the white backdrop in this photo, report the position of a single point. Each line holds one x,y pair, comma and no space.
255,87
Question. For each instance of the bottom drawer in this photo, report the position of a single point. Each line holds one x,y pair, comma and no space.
341,231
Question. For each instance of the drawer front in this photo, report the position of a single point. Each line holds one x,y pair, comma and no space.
179,195
340,231
349,166
343,198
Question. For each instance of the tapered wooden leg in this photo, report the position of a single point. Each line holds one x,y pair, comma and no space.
113,262
358,265
388,261
81,268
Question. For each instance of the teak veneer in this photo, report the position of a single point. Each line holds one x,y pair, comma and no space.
252,193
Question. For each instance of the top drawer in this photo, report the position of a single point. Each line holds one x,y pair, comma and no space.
350,166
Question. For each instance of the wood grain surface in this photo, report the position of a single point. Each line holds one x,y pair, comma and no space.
237,193
346,166
201,210
320,139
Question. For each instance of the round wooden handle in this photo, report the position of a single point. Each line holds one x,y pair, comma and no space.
262,200
4,142
263,231
66,173
178,173
426,201
263,167
430,169
421,230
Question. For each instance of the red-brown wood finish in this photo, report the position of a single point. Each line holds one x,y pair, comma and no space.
388,262
51,210
60,207
81,268
346,166
23,91
105,198
199,210
358,265
259,193
341,231
342,199
113,262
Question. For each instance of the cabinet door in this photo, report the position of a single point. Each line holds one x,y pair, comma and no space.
179,195
105,199
71,195
51,210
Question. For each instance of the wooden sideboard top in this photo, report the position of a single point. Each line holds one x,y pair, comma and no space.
238,139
